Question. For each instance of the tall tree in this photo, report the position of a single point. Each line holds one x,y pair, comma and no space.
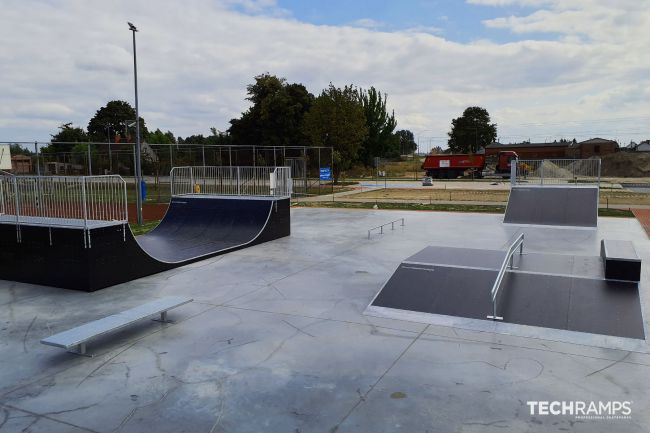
115,118
381,142
276,116
472,131
407,142
159,137
337,119
63,141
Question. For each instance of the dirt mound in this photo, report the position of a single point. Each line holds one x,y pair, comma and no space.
626,164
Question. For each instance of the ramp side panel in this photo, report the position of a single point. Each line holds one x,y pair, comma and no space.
51,257
553,205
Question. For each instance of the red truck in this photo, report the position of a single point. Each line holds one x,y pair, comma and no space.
450,166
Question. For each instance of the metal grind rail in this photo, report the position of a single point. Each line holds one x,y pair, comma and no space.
507,264
381,227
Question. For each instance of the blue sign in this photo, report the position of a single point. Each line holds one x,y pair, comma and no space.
325,173
143,190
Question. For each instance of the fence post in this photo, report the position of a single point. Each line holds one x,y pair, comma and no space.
191,180
17,200
83,201
171,182
238,182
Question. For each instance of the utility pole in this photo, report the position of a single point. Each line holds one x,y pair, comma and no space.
138,167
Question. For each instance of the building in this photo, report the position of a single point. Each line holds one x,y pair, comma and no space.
643,146
557,149
526,150
21,164
592,147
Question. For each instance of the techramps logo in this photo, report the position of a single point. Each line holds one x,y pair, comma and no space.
583,410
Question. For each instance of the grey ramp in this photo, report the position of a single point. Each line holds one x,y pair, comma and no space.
575,304
454,256
444,290
575,206
560,264
552,301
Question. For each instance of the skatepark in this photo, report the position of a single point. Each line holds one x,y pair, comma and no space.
329,329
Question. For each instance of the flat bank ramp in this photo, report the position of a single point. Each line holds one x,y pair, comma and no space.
556,205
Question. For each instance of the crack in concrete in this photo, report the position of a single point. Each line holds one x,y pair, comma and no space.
27,332
364,397
38,416
299,329
609,365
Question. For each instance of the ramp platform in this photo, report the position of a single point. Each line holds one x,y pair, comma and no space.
557,205
101,255
548,290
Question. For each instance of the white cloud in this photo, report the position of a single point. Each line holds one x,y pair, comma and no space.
195,59
367,23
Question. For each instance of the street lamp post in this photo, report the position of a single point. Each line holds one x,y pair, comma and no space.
138,168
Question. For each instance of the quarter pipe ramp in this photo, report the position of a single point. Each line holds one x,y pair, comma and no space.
104,254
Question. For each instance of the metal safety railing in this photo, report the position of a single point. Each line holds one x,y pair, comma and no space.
62,200
381,227
557,171
507,264
253,181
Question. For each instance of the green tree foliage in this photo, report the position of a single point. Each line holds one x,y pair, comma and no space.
113,118
337,119
472,131
407,142
17,149
276,116
218,138
63,141
381,141
159,137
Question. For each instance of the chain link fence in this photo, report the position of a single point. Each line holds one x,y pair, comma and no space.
559,171
158,160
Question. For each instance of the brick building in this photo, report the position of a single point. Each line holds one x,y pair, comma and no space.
21,164
557,149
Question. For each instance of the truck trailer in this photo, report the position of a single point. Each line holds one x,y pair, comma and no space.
450,166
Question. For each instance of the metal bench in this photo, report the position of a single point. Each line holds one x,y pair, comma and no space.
75,339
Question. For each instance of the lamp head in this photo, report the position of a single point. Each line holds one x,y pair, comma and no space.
132,27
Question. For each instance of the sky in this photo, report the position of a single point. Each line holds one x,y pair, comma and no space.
544,69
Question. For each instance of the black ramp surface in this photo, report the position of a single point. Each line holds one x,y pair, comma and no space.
197,226
574,304
454,256
440,290
578,299
202,227
575,206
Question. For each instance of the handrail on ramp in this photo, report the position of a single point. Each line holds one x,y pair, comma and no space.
507,264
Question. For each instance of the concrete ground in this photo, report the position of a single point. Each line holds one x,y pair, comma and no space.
276,341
